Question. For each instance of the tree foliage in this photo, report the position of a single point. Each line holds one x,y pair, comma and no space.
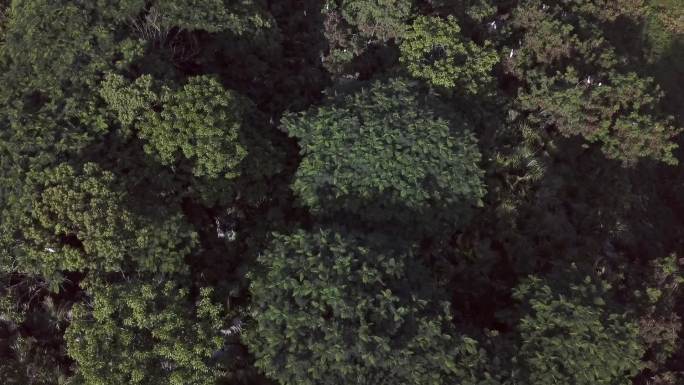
559,331
328,307
213,15
577,82
54,46
254,192
378,19
616,114
78,219
381,146
32,323
201,122
434,50
356,27
145,331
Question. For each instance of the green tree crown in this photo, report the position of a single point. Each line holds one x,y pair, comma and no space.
145,331
78,219
378,19
573,337
330,307
200,122
382,147
434,49
213,15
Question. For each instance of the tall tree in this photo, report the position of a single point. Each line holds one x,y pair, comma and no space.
201,121
571,337
333,307
433,49
146,330
353,27
382,149
213,15
575,80
78,219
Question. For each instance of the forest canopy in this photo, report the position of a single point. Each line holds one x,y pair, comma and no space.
315,192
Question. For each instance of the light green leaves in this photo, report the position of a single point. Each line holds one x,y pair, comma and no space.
128,100
78,219
145,331
200,122
434,50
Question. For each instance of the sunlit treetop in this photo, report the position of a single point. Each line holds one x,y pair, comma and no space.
433,49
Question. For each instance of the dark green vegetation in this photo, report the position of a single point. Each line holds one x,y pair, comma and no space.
317,192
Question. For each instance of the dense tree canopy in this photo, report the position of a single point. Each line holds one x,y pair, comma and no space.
261,192
382,147
434,50
329,308
76,220
212,15
145,331
577,82
559,330
201,121
379,19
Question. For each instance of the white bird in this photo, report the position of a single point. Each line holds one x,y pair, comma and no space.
512,51
236,328
220,233
50,250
